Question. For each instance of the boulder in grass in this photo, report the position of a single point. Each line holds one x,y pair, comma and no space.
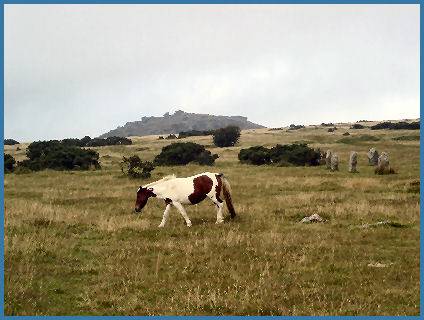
313,218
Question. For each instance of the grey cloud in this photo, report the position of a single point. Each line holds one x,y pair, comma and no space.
72,70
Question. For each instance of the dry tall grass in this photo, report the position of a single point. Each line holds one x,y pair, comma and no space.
73,245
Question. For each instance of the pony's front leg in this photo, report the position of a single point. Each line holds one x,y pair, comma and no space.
183,212
165,215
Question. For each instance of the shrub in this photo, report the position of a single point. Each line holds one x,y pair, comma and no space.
182,153
397,126
171,137
357,126
96,142
58,156
294,154
407,138
135,168
327,124
256,155
346,134
332,129
10,142
295,127
73,142
226,137
9,163
194,133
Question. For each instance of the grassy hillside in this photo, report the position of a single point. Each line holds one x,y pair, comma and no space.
73,245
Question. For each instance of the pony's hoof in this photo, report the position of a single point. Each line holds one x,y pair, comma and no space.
219,221
189,224
161,225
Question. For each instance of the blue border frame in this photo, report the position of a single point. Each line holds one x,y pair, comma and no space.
207,2
214,2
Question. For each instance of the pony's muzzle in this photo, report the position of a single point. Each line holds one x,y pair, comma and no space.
137,210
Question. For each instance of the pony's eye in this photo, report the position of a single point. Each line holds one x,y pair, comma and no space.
150,189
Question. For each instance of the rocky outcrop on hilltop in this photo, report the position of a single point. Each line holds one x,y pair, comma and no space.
178,122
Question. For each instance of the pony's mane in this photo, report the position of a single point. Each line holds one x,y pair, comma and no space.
169,177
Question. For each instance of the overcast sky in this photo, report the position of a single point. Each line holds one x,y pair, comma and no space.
75,70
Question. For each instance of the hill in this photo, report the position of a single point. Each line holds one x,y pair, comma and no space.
177,122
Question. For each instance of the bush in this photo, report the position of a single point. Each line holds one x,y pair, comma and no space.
407,138
357,126
294,154
73,142
58,156
109,141
332,129
10,142
171,137
96,142
9,163
295,127
397,126
226,137
194,133
135,168
182,153
257,155
327,124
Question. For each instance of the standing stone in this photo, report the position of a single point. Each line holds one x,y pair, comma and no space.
372,157
334,162
383,166
353,160
328,159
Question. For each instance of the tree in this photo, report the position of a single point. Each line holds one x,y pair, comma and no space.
10,142
226,137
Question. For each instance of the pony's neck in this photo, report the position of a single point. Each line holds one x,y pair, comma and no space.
172,176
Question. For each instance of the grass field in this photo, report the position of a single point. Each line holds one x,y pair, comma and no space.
73,245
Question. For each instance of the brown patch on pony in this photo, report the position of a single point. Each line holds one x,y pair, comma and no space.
218,187
202,186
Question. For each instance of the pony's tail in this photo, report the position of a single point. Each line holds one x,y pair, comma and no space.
227,196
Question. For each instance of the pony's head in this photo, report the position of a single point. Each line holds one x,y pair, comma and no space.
143,194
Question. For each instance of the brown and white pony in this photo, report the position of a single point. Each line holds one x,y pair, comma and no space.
190,190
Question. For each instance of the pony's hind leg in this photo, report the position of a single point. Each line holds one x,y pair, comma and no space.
219,216
165,215
183,212
219,205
